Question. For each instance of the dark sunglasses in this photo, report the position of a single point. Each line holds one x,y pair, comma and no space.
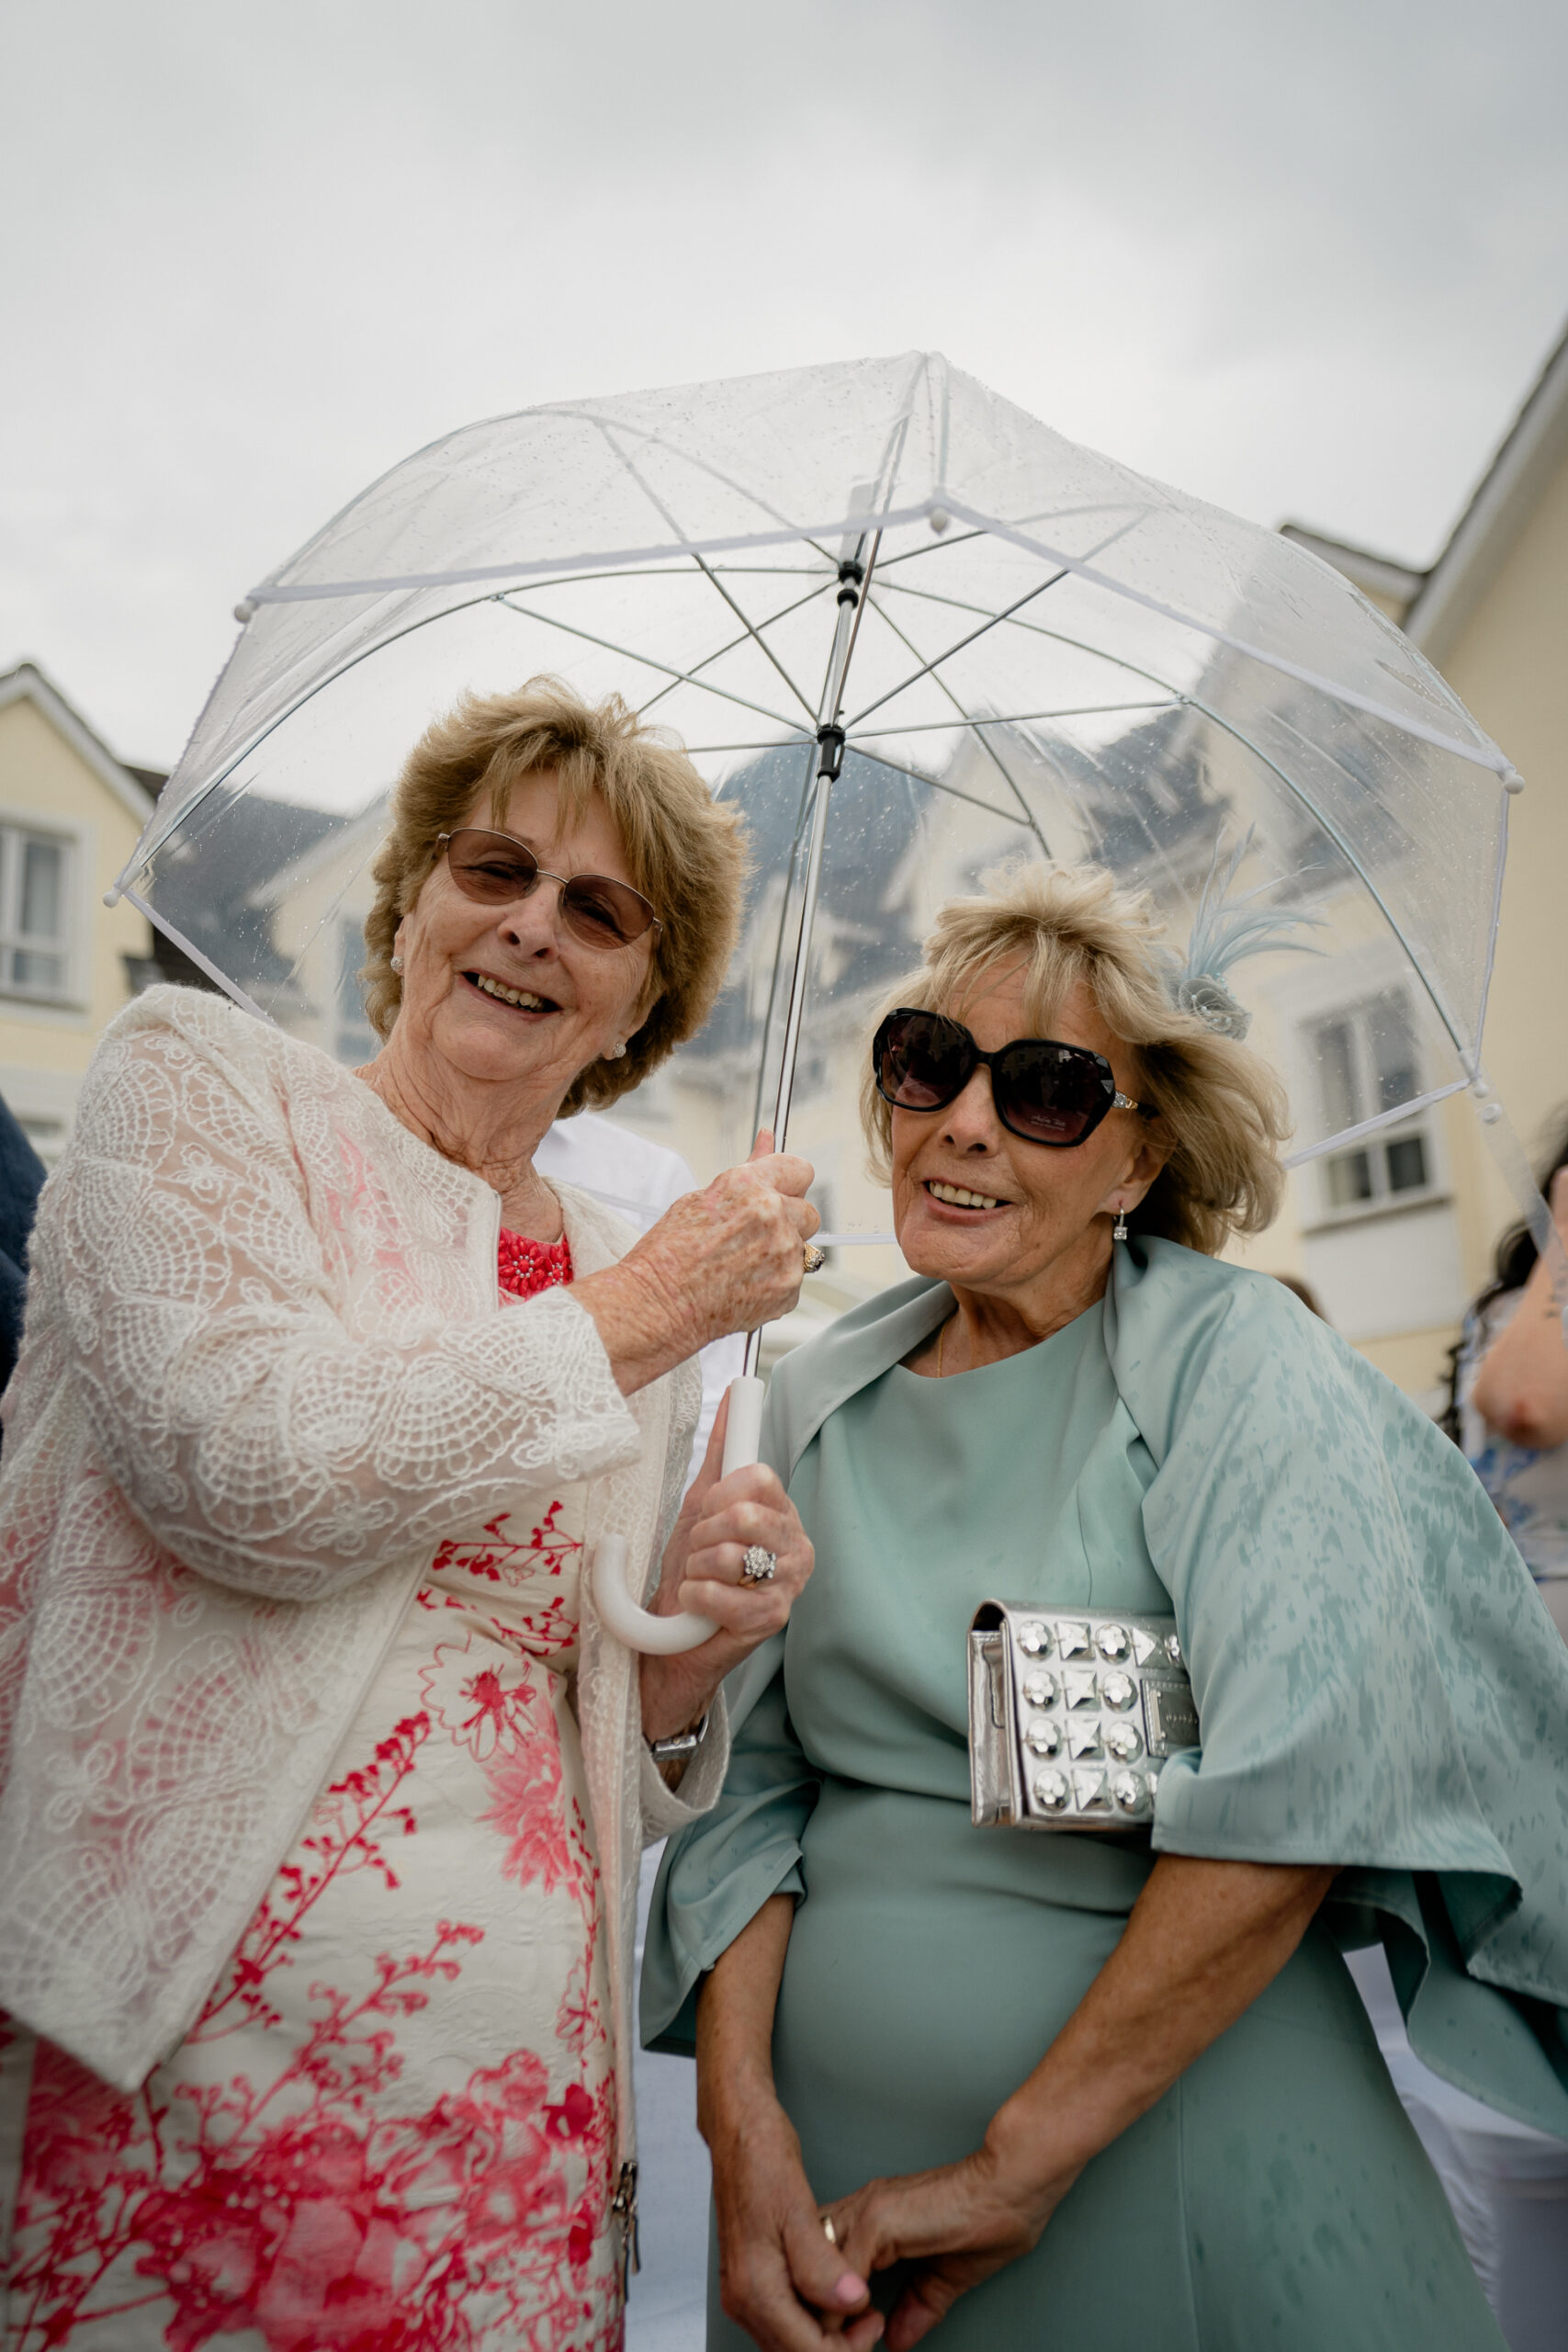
1045,1093
497,870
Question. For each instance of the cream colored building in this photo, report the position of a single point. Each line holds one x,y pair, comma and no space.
1398,1237
70,813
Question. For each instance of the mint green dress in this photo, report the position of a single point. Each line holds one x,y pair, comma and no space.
1373,1688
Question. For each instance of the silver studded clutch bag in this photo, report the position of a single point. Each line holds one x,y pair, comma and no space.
1071,1713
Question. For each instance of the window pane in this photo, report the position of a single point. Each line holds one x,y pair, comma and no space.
1396,1075
1350,1179
31,971
43,864
1406,1164
1336,1066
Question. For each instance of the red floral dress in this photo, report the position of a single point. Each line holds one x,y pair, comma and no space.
392,2128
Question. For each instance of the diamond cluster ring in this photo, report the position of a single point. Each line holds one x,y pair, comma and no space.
757,1565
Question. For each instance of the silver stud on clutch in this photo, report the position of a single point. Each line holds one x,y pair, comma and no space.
1039,1688
1118,1690
1079,1684
1123,1742
1127,1787
1035,1638
1113,1642
1051,1791
1073,1638
1044,1737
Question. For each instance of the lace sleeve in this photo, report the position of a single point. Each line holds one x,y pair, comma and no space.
200,1288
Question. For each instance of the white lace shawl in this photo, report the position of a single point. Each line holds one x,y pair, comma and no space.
266,1373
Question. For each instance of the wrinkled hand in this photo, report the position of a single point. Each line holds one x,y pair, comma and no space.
701,1571
719,1261
958,2224
778,2277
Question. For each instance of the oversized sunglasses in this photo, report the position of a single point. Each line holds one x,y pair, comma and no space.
1043,1091
497,870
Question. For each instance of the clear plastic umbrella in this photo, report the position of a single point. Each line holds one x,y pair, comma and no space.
875,589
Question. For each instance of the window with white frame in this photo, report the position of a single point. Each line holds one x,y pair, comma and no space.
1367,1063
35,912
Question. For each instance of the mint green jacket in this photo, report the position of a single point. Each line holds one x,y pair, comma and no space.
1378,1685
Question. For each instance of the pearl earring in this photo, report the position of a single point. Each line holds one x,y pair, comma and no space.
1119,1230
397,963
616,1050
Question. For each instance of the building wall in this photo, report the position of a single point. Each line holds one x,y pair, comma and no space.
45,1047
1509,664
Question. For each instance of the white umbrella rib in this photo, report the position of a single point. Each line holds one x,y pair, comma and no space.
1020,717
1494,760
663,512
692,676
1467,1058
994,755
676,677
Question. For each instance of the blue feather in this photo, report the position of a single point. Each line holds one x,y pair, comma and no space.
1224,930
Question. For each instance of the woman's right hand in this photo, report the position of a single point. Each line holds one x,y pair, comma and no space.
779,2278
719,1261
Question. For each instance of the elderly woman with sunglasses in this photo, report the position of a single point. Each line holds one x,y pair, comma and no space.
325,1789
1114,2087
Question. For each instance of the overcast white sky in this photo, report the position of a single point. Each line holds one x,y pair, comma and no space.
1302,260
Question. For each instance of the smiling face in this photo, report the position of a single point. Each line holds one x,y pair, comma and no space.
994,1215
505,997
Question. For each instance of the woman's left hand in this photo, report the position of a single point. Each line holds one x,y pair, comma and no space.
704,1571
957,2226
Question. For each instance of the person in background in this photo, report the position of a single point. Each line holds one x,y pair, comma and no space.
1305,1292
1509,1405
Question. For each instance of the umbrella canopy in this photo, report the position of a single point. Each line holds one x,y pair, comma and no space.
999,641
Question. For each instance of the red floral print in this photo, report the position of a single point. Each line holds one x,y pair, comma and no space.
315,2168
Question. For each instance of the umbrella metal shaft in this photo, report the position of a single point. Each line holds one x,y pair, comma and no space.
852,576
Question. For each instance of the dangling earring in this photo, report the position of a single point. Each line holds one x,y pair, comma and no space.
616,1050
1119,1230
397,963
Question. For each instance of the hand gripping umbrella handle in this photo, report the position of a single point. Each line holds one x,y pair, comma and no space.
640,1629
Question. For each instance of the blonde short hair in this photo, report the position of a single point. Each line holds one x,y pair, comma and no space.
685,852
1222,1111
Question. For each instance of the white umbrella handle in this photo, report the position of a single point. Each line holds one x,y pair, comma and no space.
640,1629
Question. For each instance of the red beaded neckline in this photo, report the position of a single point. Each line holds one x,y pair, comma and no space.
525,1267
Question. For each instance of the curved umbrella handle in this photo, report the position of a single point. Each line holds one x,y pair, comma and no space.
640,1629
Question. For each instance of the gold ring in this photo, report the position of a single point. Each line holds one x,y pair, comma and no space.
812,1258
828,2231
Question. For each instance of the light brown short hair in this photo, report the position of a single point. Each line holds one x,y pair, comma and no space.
1221,1111
684,850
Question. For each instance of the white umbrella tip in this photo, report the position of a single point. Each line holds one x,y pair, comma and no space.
939,518
243,611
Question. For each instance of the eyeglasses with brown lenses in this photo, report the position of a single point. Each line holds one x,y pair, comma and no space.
497,870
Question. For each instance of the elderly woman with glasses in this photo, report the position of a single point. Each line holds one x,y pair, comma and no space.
325,1790
1109,2084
